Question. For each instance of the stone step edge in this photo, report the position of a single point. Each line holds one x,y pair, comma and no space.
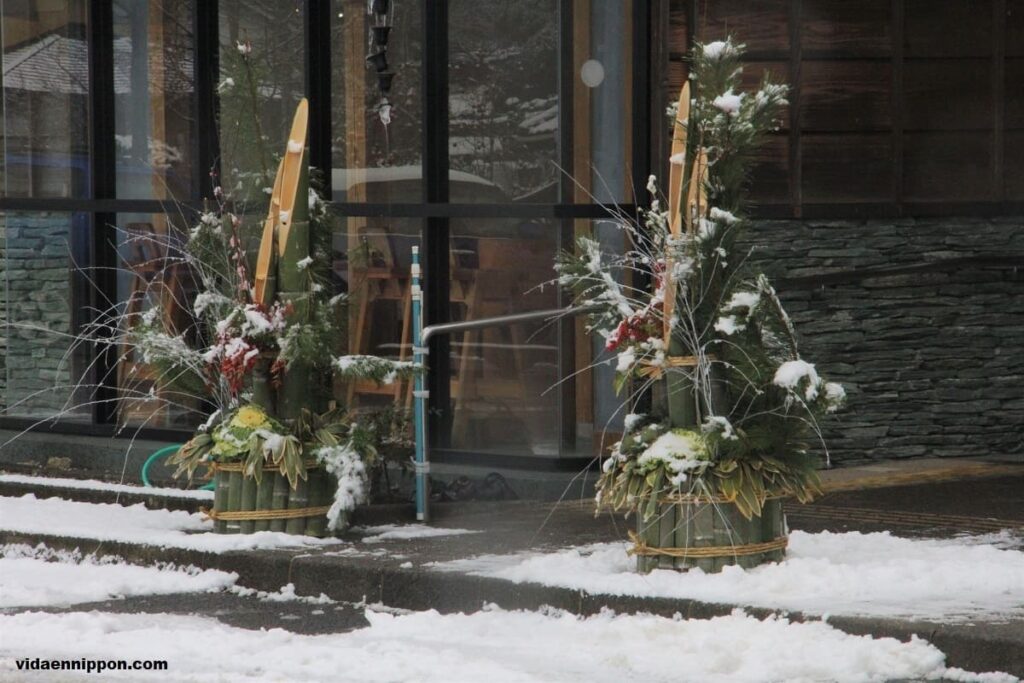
378,580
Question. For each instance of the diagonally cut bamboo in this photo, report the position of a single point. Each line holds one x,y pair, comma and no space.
264,281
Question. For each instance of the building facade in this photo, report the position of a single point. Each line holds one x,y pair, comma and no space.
491,133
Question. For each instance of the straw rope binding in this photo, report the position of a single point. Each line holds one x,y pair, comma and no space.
652,370
248,515
641,548
702,498
267,467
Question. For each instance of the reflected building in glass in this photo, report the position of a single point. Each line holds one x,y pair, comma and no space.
489,133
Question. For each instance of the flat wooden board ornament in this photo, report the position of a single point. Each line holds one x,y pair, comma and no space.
291,167
677,170
265,260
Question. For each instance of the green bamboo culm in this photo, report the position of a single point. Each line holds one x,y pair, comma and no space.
222,484
298,498
264,500
320,487
293,281
279,499
247,503
234,501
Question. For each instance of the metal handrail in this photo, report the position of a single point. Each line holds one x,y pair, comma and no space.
422,458
497,321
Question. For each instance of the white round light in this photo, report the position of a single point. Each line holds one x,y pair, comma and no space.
592,73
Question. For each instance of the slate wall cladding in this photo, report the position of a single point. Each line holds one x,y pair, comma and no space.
34,267
933,362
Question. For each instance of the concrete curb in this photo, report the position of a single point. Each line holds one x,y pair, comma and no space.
980,648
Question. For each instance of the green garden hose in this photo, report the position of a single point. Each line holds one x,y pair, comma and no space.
164,452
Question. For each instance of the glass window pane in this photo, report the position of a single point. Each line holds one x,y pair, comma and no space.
153,98
372,259
503,104
153,278
45,99
262,78
602,126
39,375
377,137
504,379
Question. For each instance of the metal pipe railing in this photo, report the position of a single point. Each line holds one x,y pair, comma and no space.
423,336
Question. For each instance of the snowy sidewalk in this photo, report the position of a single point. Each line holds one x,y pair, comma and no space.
964,595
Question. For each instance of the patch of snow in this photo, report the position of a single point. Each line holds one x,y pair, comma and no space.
851,573
728,102
96,485
728,325
135,524
679,452
404,532
490,645
349,469
792,372
305,263
677,159
285,594
42,577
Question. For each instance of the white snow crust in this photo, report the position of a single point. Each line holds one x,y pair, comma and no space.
134,524
404,532
851,573
41,577
96,485
492,645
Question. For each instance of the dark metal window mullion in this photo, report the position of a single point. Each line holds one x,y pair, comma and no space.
318,88
103,185
436,231
205,61
566,328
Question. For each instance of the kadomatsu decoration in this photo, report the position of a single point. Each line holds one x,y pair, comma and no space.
263,351
736,408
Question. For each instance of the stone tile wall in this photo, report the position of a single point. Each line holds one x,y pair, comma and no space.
933,362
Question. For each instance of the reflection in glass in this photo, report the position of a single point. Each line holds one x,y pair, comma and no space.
372,259
152,280
377,136
45,99
153,98
262,79
504,378
503,103
39,376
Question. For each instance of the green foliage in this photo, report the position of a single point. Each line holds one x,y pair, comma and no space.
757,402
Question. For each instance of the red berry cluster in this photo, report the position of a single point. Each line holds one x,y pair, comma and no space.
635,328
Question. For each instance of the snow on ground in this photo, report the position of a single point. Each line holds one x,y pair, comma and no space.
491,645
96,485
134,524
285,594
403,532
826,573
41,577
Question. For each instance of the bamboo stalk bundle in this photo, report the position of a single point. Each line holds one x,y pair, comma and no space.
222,486
264,499
247,503
234,501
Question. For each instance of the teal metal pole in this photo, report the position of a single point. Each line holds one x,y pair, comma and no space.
419,395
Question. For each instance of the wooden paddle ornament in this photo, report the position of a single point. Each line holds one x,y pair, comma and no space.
677,170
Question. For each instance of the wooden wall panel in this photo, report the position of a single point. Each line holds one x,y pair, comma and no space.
948,28
856,29
846,96
947,166
770,172
1013,178
1014,22
918,106
944,94
762,25
847,168
1014,89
